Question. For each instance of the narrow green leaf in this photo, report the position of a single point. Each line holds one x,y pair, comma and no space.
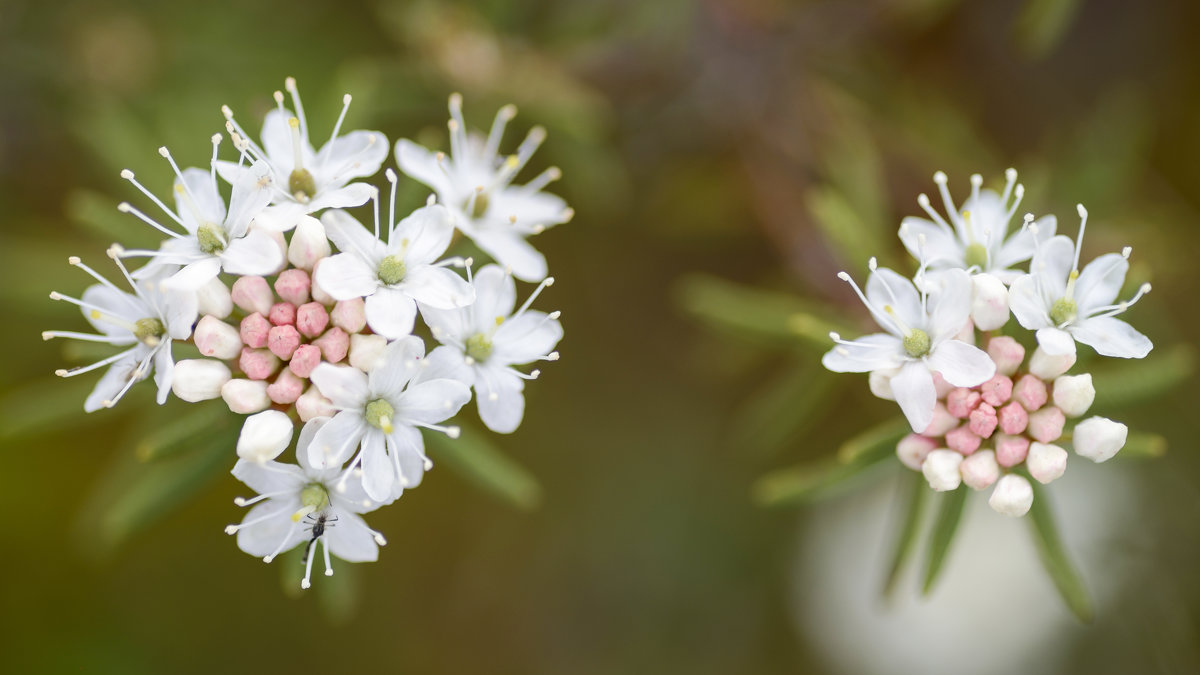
942,536
804,483
1143,445
474,457
197,420
876,442
783,407
1054,556
914,499
755,313
39,406
1131,382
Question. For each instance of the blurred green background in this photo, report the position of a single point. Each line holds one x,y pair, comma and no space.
763,142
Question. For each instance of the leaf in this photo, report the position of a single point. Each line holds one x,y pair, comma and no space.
774,414
942,536
907,538
1131,382
39,406
751,312
1143,445
474,457
1054,557
167,439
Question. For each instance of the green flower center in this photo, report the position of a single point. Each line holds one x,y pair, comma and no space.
314,496
392,270
149,331
976,256
211,238
917,343
1063,311
301,185
379,414
479,347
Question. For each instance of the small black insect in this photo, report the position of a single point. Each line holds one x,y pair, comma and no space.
319,523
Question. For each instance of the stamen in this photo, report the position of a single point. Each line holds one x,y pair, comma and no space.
179,174
458,129
1010,177
286,538
503,116
547,282
136,376
308,560
128,175
883,319
328,566
1121,307
212,163
391,178
337,126
76,262
923,201
1018,194
1083,216
543,179
297,144
97,312
942,183
529,146
86,337
976,183
290,85
125,207
99,364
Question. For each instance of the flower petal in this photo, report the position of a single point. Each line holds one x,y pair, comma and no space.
445,362
335,441
344,386
257,253
421,165
495,296
879,351
1110,336
121,305
1100,282
378,475
447,325
437,287
391,312
501,403
114,380
1021,246
350,236
350,539
941,248
949,304
164,370
432,401
400,363
354,194
914,391
886,288
525,338
354,155
1055,341
1051,265
264,538
251,193
203,194
961,364
526,209
408,455
510,249
423,236
346,276
269,476
1027,303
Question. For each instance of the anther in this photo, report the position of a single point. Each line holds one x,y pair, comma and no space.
940,178
872,264
232,529
126,174
1125,252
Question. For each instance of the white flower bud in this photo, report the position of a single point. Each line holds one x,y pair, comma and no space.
318,293
1099,438
1048,367
214,299
1012,497
309,243
366,351
989,302
913,449
941,469
1073,394
199,379
312,404
1046,462
246,396
880,382
217,339
980,469
264,436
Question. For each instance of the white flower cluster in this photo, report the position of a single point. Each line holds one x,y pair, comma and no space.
979,415
296,333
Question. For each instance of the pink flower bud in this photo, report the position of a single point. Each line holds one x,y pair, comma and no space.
199,379
1030,392
309,243
980,470
282,314
312,404
366,351
963,440
254,331
286,388
245,396
264,436
912,450
1046,425
1006,353
1049,367
1013,419
1046,463
333,344
350,315
1073,394
292,286
960,402
989,302
258,364
311,319
982,421
213,298
1099,438
940,385
253,294
997,390
1011,450
218,339
283,341
942,422
1013,496
304,360
941,470
319,293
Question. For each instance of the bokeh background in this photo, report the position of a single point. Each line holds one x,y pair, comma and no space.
762,143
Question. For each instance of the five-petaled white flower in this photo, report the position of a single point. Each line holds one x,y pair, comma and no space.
1065,305
491,339
383,410
145,321
976,238
396,272
306,180
476,182
920,338
302,503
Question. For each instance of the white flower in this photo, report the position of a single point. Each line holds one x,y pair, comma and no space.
396,272
214,239
382,411
199,379
306,180
920,339
264,436
941,469
1013,496
1066,306
1074,394
300,503
491,338
1099,438
476,183
145,322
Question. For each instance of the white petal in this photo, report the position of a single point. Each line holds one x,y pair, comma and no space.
112,382
941,248
1021,246
962,364
432,401
192,277
122,305
445,362
164,372
350,539
879,351
378,475
277,141
437,287
307,433
495,296
269,476
346,387
391,312
350,236
353,155
914,391
447,324
257,253
251,193
336,440
408,451
949,305
280,217
501,403
208,201
1110,336
511,250
1100,282
887,288
230,172
421,165
401,361
1056,341
528,207
424,236
1027,304
264,538
525,338
346,276
354,194
1052,264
